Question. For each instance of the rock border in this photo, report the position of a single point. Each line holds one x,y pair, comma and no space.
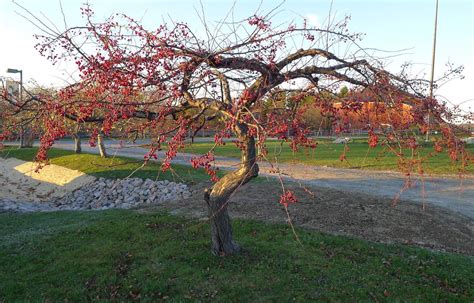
107,194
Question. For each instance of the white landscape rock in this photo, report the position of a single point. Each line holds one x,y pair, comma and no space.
469,140
59,188
342,140
106,194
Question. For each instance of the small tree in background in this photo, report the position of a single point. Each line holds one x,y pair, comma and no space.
167,81
76,135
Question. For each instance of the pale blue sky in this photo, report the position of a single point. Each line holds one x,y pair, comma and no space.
388,25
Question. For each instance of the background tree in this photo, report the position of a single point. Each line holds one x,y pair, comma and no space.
227,74
20,116
76,135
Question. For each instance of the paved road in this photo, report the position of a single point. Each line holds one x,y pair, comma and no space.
449,192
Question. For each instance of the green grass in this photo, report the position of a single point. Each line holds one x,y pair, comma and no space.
124,255
116,167
359,155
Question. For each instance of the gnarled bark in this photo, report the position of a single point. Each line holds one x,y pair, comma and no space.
218,195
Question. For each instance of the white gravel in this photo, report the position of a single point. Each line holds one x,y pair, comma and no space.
59,188
106,194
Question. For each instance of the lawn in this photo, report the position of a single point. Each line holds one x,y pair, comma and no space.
359,155
125,255
114,167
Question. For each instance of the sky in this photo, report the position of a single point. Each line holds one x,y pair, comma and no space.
388,25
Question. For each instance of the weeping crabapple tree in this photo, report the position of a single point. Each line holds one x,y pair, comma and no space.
170,82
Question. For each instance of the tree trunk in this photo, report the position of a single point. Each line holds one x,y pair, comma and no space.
100,143
29,138
26,137
22,137
77,143
218,195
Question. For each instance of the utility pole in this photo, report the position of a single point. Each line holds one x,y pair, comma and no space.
432,71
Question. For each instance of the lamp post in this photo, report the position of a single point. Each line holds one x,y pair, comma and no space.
16,71
22,131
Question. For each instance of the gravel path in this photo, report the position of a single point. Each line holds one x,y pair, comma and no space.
449,192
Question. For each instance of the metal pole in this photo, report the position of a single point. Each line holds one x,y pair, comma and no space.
21,86
22,129
432,70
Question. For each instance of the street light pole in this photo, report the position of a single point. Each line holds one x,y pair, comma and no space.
16,71
22,130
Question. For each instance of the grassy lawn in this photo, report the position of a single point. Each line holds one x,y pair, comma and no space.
124,255
359,155
116,167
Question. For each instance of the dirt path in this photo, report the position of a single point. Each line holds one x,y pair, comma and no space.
336,212
449,192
